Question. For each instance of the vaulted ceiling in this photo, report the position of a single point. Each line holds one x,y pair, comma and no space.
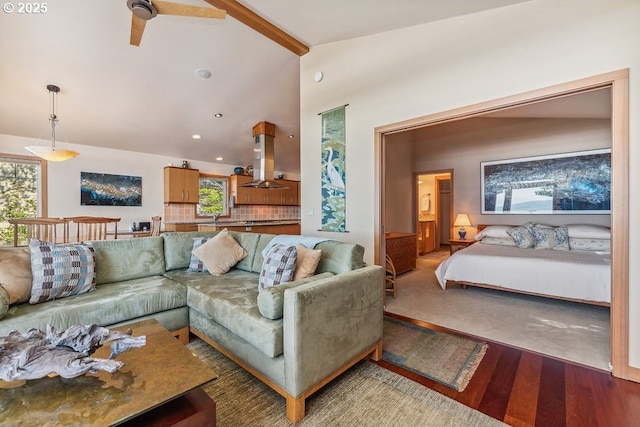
150,99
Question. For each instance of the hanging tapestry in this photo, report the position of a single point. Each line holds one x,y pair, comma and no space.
333,170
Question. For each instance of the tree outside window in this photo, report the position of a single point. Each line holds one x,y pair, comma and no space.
19,182
213,195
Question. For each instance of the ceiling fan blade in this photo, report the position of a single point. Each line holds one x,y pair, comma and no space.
168,8
137,28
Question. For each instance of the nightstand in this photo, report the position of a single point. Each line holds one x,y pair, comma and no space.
457,244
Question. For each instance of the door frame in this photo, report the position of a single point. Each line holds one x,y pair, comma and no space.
618,81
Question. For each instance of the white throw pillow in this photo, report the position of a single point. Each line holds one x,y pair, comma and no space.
499,231
220,253
588,231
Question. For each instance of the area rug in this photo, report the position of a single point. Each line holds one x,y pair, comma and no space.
442,357
365,395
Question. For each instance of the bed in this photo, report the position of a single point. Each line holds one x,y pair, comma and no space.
576,269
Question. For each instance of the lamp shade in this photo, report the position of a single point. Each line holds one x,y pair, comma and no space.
462,220
52,154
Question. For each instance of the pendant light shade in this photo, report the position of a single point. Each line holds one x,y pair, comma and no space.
51,153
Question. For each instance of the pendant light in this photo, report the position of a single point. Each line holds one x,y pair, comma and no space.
51,153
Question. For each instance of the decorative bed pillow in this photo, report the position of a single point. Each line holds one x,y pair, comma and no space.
15,273
61,270
220,253
499,231
603,245
588,231
306,262
499,241
278,266
196,265
556,238
521,237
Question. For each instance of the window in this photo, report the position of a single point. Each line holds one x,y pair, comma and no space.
213,195
23,189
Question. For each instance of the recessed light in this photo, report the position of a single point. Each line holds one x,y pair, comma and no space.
291,136
217,115
203,74
196,136
219,158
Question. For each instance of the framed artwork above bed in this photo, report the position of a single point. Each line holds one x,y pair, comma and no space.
567,183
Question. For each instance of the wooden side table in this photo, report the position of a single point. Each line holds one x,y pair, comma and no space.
457,244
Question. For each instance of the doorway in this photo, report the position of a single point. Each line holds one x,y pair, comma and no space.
618,82
435,209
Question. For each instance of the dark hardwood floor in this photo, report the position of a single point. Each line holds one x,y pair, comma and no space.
527,389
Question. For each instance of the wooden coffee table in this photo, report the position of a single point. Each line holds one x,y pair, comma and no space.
159,384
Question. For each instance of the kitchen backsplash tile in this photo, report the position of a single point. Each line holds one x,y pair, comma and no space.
179,212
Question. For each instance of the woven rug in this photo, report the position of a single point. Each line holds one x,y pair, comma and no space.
445,358
365,395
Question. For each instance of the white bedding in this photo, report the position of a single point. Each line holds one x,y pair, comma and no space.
583,275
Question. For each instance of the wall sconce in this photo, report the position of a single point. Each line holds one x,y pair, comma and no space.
461,221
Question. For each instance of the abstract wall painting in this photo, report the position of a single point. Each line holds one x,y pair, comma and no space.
568,183
333,179
103,189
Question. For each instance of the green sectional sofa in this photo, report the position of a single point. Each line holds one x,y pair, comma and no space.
295,337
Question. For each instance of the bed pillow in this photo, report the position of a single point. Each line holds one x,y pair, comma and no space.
278,266
61,271
521,237
195,264
306,262
15,273
555,238
603,245
588,231
220,253
499,241
499,231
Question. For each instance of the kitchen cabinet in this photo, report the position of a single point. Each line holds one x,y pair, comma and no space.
181,185
401,248
181,227
261,228
426,237
261,196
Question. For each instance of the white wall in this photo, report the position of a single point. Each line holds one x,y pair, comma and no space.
400,196
413,72
64,178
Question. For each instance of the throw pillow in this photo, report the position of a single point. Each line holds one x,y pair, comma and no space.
15,273
4,302
306,262
602,245
498,231
521,237
220,253
556,238
499,241
278,266
196,265
60,270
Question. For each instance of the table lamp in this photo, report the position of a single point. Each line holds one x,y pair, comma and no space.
461,221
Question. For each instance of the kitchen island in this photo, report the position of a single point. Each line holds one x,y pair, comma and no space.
284,226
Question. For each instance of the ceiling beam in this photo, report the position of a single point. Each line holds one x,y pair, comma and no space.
261,25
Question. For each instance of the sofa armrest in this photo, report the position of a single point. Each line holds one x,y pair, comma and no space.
328,322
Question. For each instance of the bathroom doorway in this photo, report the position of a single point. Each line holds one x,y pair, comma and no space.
434,202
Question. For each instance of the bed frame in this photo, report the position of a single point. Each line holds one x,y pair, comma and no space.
481,227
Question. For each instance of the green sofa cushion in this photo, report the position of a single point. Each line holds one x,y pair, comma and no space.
271,300
127,259
339,257
232,301
106,305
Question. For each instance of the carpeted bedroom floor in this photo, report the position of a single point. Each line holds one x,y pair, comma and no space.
571,331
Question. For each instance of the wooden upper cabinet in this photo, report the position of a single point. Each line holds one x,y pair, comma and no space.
261,196
181,185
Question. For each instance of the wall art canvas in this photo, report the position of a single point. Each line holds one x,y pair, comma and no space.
333,170
568,183
103,189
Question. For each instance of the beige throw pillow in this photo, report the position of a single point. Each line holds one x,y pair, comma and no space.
306,262
15,273
220,253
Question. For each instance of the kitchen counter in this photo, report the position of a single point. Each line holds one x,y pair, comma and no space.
279,226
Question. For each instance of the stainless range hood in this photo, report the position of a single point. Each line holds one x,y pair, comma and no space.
263,152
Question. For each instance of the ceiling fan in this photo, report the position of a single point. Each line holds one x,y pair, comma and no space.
143,10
